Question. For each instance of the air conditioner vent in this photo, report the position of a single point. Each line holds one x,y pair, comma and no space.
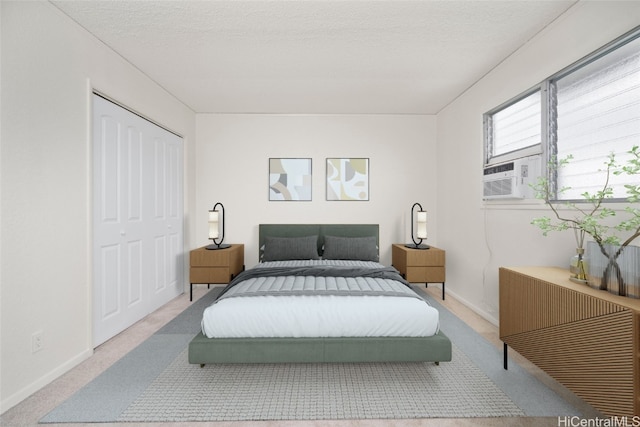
511,180
498,187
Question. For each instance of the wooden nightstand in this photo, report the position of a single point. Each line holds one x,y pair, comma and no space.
215,266
419,265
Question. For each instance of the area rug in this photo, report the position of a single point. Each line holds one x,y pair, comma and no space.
155,383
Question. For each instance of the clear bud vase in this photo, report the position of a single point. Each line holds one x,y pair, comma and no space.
577,267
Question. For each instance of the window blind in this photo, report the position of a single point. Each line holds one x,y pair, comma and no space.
598,112
517,126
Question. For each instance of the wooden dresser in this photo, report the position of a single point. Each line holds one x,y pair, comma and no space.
587,339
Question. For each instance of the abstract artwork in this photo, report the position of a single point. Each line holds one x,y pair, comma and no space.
289,179
347,179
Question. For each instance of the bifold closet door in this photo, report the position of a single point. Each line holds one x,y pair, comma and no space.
137,218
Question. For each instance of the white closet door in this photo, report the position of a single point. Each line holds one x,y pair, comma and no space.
138,218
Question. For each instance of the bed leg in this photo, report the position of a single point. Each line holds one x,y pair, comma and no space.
202,365
437,363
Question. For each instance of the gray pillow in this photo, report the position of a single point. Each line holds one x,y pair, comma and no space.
286,248
351,248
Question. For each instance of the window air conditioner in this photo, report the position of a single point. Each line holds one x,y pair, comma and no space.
511,180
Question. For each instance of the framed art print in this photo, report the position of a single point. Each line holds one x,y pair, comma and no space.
347,179
289,179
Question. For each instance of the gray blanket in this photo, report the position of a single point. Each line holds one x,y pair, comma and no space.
381,288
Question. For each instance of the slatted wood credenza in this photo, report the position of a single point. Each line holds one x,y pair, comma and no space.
586,339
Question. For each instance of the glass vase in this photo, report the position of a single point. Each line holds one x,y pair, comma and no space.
624,279
577,267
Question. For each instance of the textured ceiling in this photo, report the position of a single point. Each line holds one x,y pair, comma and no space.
363,57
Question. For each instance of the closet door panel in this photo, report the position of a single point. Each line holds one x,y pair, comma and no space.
138,218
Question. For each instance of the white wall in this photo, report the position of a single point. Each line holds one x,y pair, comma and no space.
479,237
232,168
49,65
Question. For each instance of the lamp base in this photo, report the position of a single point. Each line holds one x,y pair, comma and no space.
414,246
215,247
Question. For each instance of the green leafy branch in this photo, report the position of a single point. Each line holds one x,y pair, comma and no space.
633,191
589,215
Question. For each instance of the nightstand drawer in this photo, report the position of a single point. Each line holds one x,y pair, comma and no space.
425,274
432,257
215,258
209,275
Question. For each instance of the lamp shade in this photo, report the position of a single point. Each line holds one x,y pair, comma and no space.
214,224
421,225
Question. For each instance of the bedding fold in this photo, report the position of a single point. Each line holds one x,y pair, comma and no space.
331,280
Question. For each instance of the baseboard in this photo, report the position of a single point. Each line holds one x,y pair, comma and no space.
13,400
480,312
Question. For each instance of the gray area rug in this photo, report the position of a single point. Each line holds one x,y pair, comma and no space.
155,383
320,391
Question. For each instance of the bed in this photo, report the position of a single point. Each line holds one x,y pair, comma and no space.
335,323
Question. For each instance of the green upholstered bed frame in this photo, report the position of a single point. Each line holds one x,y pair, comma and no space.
320,230
203,350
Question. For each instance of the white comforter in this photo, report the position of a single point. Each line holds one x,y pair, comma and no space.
320,315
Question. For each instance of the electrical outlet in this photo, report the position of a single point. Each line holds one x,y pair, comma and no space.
37,342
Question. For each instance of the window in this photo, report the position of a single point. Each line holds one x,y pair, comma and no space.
515,127
588,111
598,112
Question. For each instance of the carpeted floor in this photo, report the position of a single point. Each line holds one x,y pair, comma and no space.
155,383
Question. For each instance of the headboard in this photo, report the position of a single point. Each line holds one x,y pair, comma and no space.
321,230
